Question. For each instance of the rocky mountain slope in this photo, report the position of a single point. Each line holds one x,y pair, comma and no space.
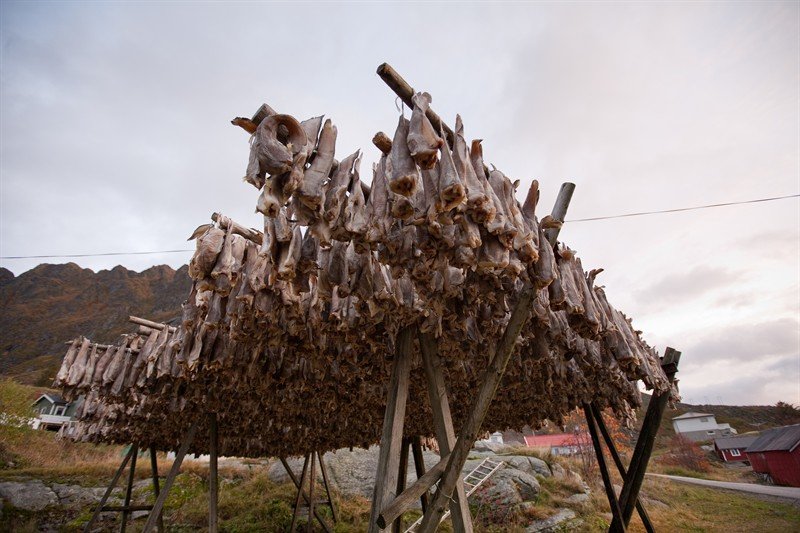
50,304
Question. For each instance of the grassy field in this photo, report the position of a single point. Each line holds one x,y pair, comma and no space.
250,501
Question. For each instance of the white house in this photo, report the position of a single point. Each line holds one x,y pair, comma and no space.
701,426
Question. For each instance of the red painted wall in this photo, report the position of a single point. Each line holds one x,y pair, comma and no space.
783,467
726,456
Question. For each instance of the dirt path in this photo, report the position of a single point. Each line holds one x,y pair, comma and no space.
790,493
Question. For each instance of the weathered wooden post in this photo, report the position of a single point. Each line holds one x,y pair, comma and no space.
129,488
213,480
644,444
491,379
158,506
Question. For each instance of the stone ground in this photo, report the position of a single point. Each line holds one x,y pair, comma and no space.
352,473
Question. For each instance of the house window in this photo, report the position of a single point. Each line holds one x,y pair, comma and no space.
710,432
704,419
60,410
735,453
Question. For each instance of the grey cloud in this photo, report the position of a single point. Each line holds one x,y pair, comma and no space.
746,343
688,285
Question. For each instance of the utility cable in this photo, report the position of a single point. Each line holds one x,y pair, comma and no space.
626,215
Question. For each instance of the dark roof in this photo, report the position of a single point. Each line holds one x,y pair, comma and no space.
691,414
729,443
52,398
785,438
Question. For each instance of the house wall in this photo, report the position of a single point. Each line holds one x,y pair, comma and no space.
697,436
687,425
782,466
728,457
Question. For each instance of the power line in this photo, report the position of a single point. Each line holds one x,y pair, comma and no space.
93,255
680,209
626,215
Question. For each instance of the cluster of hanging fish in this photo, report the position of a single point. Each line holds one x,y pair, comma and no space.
288,333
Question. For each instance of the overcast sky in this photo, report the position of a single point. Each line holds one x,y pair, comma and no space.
115,137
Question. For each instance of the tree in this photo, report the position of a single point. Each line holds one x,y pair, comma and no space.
575,424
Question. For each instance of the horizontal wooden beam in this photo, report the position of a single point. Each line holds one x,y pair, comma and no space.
150,324
404,501
248,233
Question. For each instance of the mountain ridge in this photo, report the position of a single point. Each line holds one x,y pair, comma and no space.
53,303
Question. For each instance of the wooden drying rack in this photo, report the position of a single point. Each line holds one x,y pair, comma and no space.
391,498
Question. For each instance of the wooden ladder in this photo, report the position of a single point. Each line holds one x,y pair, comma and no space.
472,481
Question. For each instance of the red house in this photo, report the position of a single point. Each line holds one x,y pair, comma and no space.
559,444
732,449
776,453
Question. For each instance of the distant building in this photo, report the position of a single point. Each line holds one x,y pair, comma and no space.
732,449
776,453
700,426
558,444
52,411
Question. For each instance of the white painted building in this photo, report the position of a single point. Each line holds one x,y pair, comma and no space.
700,426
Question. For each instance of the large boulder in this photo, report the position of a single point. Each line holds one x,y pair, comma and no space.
563,520
28,495
352,473
509,486
531,465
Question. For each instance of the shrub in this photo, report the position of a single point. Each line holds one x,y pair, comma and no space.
686,454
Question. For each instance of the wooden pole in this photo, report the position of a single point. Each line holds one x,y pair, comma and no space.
601,463
156,488
402,474
129,488
419,466
644,444
560,210
598,416
324,471
392,435
213,479
155,514
311,479
150,324
296,482
299,496
404,501
402,477
443,426
110,488
491,379
402,89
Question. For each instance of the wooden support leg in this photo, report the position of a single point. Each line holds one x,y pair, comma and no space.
443,426
110,488
155,513
299,496
402,473
392,436
601,463
312,478
324,471
296,482
491,379
419,466
213,479
598,417
644,444
129,488
156,488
